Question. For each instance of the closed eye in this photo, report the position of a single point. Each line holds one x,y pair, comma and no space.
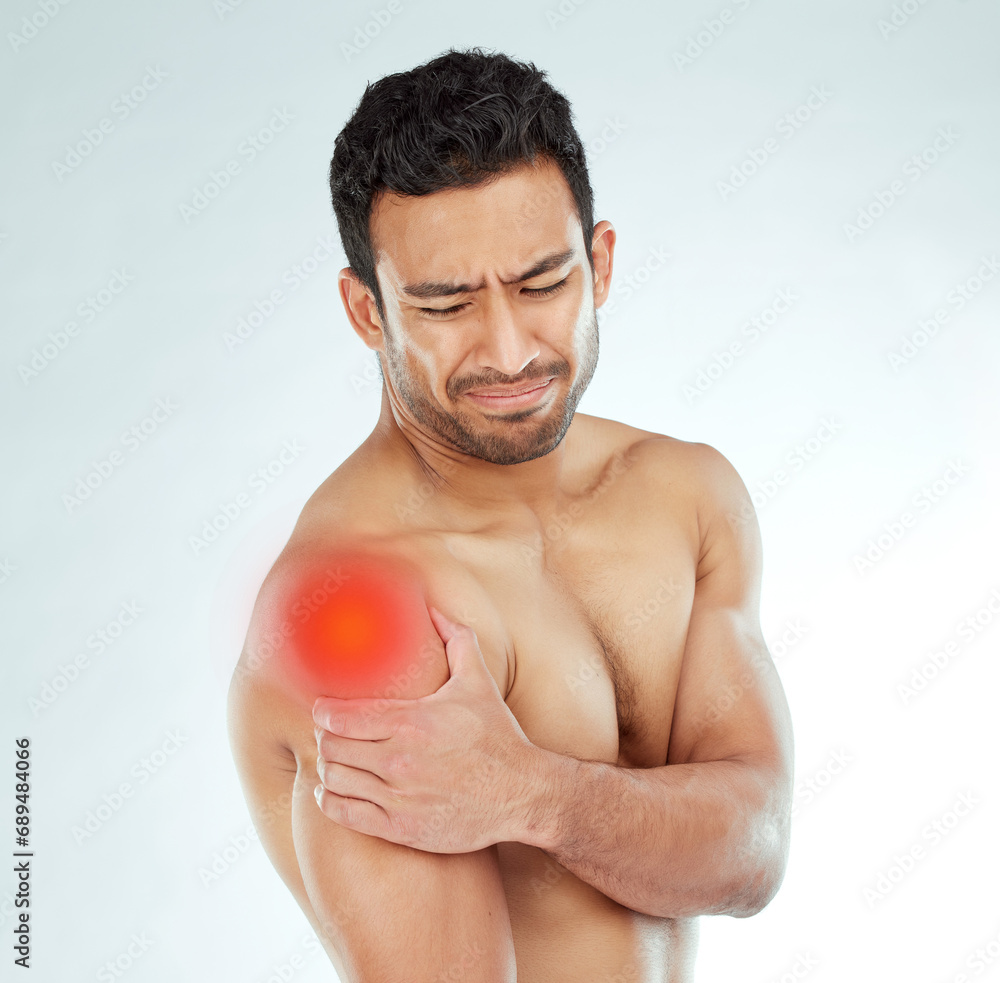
532,291
543,291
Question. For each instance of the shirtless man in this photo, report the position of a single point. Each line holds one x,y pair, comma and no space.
575,741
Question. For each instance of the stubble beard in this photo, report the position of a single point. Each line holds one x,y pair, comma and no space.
509,438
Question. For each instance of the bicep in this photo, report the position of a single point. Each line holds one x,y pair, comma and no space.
399,915
384,912
730,704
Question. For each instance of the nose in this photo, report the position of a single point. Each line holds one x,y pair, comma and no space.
507,342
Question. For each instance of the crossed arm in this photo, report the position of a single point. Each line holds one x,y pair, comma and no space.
707,833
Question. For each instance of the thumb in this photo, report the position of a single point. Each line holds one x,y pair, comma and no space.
460,643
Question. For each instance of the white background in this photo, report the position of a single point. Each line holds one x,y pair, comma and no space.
663,135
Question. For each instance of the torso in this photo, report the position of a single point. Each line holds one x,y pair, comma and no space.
582,619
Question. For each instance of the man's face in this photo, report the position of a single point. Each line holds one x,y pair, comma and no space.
491,335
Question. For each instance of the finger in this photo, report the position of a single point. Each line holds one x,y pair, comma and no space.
346,751
462,650
344,780
360,719
365,817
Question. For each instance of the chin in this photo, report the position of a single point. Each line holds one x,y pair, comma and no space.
498,445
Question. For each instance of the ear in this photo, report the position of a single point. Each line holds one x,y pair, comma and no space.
361,311
603,251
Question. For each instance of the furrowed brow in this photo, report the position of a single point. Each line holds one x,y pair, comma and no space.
438,288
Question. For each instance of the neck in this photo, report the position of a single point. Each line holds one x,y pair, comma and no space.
468,482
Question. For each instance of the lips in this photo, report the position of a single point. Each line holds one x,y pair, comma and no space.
517,391
514,398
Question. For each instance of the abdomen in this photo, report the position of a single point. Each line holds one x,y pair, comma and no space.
566,931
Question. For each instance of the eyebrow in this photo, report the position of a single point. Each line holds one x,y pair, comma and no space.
438,288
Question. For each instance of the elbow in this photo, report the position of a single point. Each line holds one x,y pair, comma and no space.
761,882
764,853
747,890
756,897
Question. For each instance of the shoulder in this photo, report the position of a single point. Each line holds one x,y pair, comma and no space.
336,590
681,484
715,494
693,469
697,468
331,618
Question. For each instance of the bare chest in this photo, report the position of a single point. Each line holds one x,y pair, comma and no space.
596,635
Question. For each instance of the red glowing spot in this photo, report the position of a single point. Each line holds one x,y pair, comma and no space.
356,624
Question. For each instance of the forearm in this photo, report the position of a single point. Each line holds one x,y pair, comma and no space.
673,841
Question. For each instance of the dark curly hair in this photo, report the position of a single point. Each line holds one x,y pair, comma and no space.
460,119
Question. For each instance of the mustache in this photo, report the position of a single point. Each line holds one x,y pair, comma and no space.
484,380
